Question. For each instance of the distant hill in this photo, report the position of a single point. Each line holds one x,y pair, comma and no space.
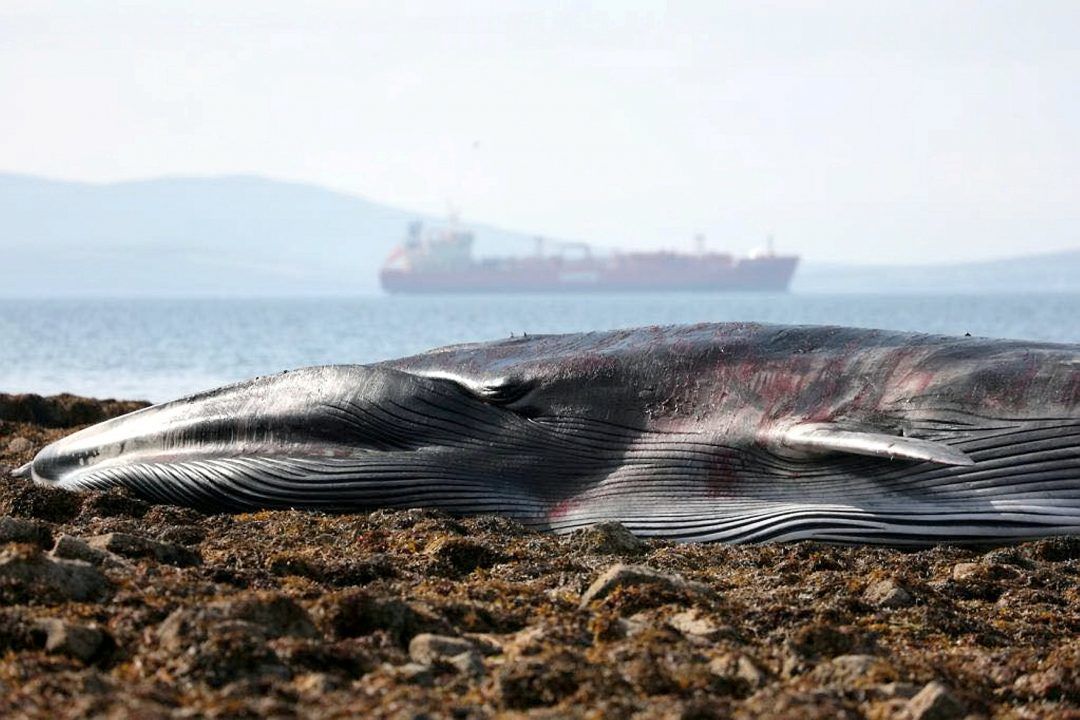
1053,272
199,236
253,236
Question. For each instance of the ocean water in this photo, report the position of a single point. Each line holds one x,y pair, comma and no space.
161,349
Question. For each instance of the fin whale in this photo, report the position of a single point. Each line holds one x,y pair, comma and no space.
711,432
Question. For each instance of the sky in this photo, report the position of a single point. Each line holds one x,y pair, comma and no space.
903,132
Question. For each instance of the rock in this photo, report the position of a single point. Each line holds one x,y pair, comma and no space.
21,530
413,673
468,663
356,613
316,683
459,653
534,682
935,702
693,625
966,570
460,556
621,576
134,546
41,502
888,594
736,666
18,445
265,614
608,538
82,642
888,691
27,574
61,411
854,670
427,648
115,502
72,548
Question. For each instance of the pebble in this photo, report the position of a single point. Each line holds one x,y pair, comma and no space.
30,571
82,642
135,546
888,594
621,575
935,702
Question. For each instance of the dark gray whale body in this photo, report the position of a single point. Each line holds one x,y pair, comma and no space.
731,432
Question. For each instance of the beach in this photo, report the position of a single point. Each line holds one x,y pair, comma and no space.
112,607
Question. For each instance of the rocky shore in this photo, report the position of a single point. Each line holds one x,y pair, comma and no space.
110,607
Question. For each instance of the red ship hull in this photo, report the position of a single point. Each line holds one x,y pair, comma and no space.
638,272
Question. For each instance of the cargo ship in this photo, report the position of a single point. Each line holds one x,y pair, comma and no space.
441,261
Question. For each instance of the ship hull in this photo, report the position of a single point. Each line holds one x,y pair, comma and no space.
768,274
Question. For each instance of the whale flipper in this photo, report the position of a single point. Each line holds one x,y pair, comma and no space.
817,438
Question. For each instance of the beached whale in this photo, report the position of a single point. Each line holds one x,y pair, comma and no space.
724,432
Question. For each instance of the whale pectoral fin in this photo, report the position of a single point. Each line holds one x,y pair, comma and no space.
817,438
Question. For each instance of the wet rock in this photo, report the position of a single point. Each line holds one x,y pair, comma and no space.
608,538
41,502
134,546
27,574
82,642
888,594
19,445
624,576
72,548
21,530
427,648
935,702
460,556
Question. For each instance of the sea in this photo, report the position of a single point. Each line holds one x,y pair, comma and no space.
159,349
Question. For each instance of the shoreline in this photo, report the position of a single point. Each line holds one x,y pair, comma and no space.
112,606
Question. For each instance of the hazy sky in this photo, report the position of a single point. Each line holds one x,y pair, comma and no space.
903,131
